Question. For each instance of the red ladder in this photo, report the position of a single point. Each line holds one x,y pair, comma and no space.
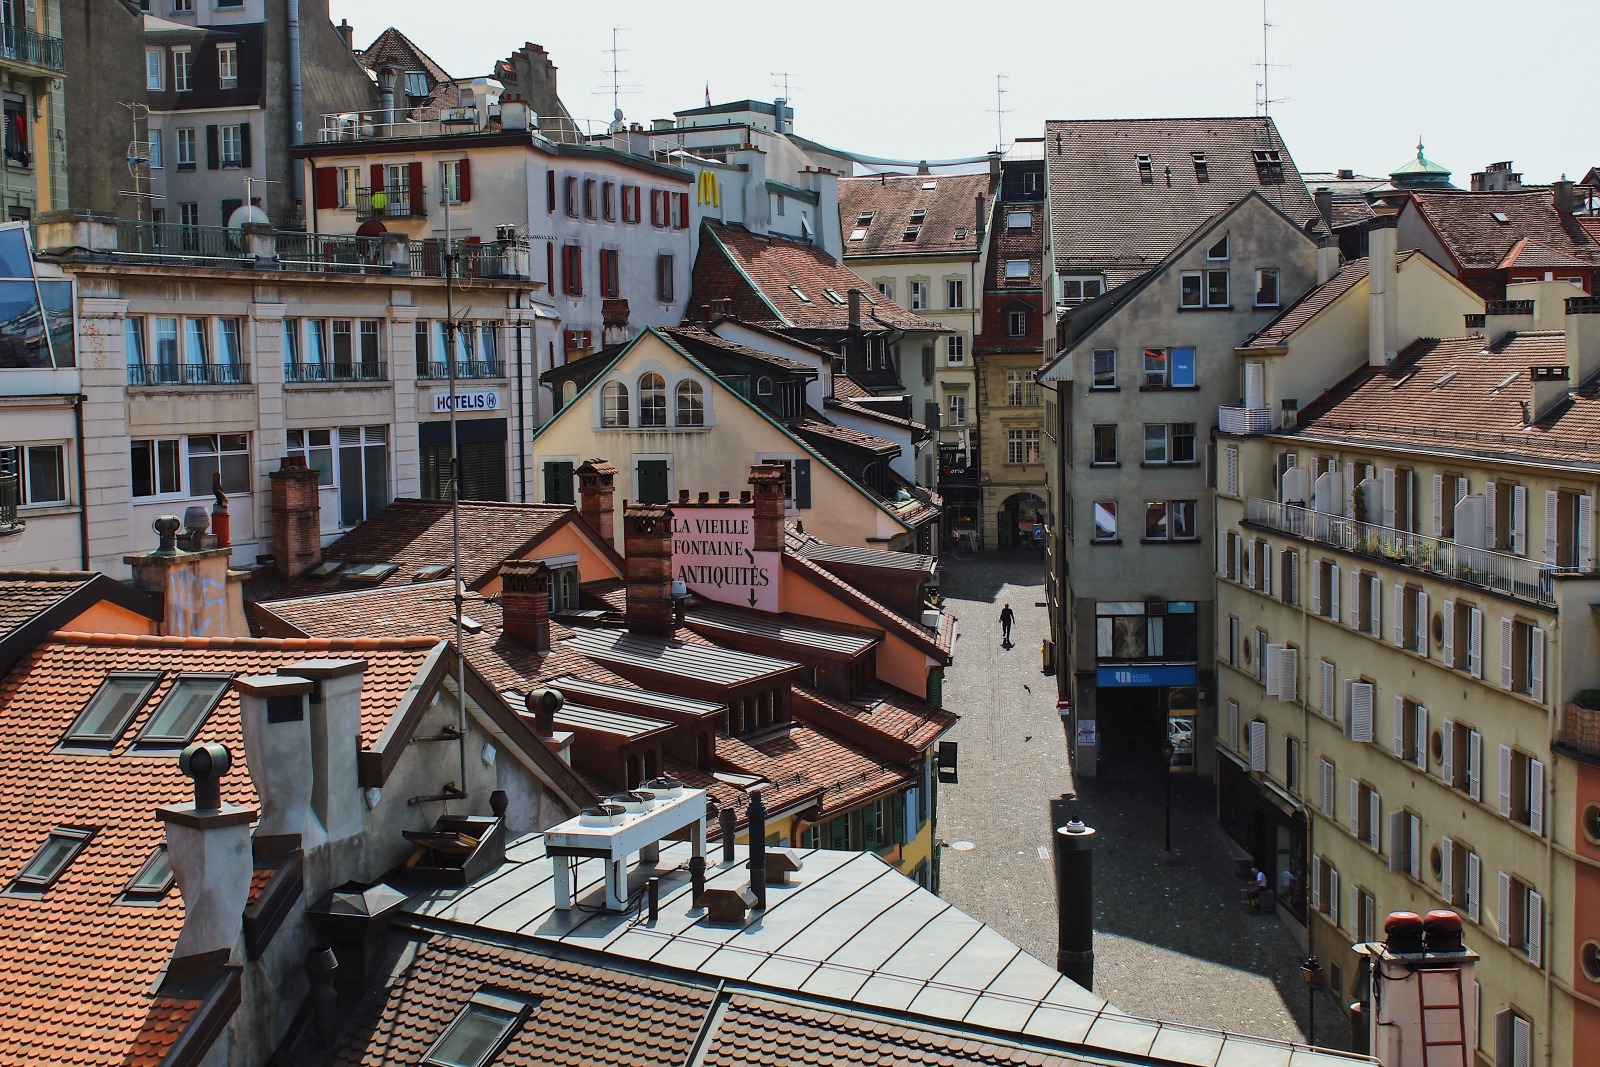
1449,1049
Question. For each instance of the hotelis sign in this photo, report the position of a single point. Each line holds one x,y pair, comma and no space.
713,554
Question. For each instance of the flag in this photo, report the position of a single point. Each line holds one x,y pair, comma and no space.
708,94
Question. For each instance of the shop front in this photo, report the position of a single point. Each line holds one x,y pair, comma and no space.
1268,826
1137,710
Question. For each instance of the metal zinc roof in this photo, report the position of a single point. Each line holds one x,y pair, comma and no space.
785,629
706,663
610,722
868,557
641,697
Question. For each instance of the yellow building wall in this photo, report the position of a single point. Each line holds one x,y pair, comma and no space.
1002,479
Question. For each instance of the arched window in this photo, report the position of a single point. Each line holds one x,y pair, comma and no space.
652,400
614,404
569,390
763,386
691,404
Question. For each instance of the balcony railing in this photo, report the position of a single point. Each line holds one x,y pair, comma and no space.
10,497
477,368
1485,568
391,202
366,371
495,259
23,45
1231,418
208,373
175,242
333,254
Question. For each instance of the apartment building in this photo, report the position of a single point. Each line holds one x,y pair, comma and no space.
1405,577
33,147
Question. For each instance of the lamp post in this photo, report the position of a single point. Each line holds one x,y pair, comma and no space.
1311,971
1166,774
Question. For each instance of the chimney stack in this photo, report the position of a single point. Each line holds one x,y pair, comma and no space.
1383,315
980,218
1561,194
768,482
208,843
1324,199
277,744
994,166
199,596
1422,961
647,544
855,310
1501,317
756,832
1583,338
1327,258
596,490
334,712
1075,902
296,518
525,602
347,33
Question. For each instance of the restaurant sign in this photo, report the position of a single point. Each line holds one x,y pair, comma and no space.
713,553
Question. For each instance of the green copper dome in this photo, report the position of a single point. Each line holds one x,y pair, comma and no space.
1421,171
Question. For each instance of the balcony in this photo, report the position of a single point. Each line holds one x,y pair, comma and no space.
1247,422
330,253
208,373
391,202
1496,572
215,246
18,44
465,369
495,259
364,371
10,497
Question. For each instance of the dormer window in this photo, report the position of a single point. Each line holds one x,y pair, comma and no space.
1146,171
416,84
1269,166
1202,169
111,709
52,860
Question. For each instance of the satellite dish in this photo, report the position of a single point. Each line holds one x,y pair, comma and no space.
247,214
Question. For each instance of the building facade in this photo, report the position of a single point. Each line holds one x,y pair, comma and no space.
33,119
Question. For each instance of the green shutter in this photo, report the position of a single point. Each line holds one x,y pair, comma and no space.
839,833
802,483
897,818
652,481
558,482
872,825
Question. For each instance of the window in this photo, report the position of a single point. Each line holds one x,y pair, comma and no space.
1182,450
591,189
155,149
479,1033
1155,443
1184,526
630,204
1105,520
183,7
228,64
608,201
1521,917
415,84
1460,875
52,859
691,404
363,473
1522,658
572,270
314,446
450,179
1075,290
1216,288
1269,166
1105,444
1155,367
183,709
955,349
1405,843
224,455
41,472
111,708
1155,520
230,145
1022,446
570,189
1104,368
1521,788
1146,170
1202,169
186,148
181,60
1461,758
1513,1039
610,284
919,295
955,293
1291,764
1191,289
652,400
1022,389
1366,917
1267,288
154,880
1018,268
614,405
664,277
157,470
189,215
1017,323
1325,889
1218,251
154,68
1019,220
956,404
1366,810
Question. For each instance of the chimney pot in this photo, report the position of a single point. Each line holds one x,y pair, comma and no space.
208,842
756,830
543,704
1075,901
596,495
722,497
205,763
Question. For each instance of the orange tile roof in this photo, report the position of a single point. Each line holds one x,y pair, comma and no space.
892,712
81,966
24,594
807,762
1475,238
1313,303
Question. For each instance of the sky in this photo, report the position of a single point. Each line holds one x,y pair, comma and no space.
1354,82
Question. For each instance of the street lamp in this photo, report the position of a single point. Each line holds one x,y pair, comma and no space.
1166,773
1311,971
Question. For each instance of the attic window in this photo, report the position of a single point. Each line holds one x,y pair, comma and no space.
480,1032
1146,174
1218,251
111,708
795,289
325,569
417,84
911,233
916,217
370,573
183,709
1269,166
931,183
1500,217
430,572
865,218
961,233
153,881
858,234
51,861
1202,169
833,296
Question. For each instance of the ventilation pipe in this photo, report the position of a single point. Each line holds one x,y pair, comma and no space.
296,117
756,828
1075,902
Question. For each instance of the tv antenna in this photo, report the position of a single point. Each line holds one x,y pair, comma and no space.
1264,97
140,152
781,77
618,87
1000,111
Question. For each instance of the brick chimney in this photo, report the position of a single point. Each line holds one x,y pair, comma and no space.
296,518
1583,338
647,544
525,602
596,489
769,486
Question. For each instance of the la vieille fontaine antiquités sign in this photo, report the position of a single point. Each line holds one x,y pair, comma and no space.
713,553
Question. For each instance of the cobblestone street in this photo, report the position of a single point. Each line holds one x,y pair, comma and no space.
1172,941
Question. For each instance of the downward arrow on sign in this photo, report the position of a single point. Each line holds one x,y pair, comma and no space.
752,596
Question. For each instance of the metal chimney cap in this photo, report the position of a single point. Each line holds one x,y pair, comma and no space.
205,759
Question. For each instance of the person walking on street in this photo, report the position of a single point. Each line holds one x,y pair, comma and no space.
1006,618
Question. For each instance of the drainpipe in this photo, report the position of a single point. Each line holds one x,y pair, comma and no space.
522,453
83,493
296,118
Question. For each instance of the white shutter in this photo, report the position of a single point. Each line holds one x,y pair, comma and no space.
1250,563
1327,789
1232,482
1536,665
1519,519
1333,593
1270,662
1397,840
1535,928
1474,872
1316,883
1399,615
1375,820
1355,600
1422,623
1261,655
1347,507
1238,557
1502,918
1316,587
1222,557
1388,497
1361,711
1552,508
1447,752
1536,796
1521,1042
1475,644
1488,515
1585,533
1449,633
1447,870
1293,561
1506,631
1419,740
1505,781
1414,843
1328,710
1475,764
1400,727
1288,672
1266,568
1258,745
1355,807
1333,897
1233,724
1438,505
1376,629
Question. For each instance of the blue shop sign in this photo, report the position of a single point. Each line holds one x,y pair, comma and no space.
1121,677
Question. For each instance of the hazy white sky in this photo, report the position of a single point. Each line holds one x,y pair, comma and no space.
1479,80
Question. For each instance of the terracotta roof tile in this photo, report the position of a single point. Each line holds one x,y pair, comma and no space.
25,594
816,427
847,388
948,202
1466,223
892,712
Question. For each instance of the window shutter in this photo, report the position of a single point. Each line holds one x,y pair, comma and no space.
1233,724
244,144
414,186
1347,508
1222,556
1419,739
1361,711
1552,504
802,483
464,179
1506,632
1475,764
1333,896
1258,745
1288,672
1316,589
377,177
1474,872
1475,644
1414,845
1274,670
1355,807
1399,615
1261,655
324,188
1375,628
1238,556
212,162
1333,593
1447,745
1250,564
1585,533
1327,789
1266,568
1536,664
1488,514
1316,883
1449,633
1375,821
1355,600
1422,623
1447,870
897,819
1502,917
1505,781
1292,561
1519,519
1438,505
1233,471
1388,496
1400,727
1535,928
1536,796
1397,833
1328,710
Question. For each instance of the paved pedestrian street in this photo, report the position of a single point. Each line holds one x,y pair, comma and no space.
1172,939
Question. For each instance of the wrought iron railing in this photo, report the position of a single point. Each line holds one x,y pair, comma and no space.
208,373
362,371
28,46
476,368
331,253
10,498
1485,568
209,245
494,259
391,202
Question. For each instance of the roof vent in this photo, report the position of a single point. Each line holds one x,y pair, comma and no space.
1445,379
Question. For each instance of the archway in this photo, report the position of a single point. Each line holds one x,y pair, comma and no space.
1021,520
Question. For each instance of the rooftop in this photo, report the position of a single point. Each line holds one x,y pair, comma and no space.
622,649
1288,321
914,214
785,629
1471,228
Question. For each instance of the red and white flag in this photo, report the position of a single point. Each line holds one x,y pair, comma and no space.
708,94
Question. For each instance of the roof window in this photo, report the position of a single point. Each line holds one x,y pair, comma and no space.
326,569
1202,169
858,234
1146,173
480,1032
370,573
1269,166
430,572
931,183
183,709
916,217
1500,217
52,859
1445,379
1503,382
795,289
961,233
111,708
911,233
831,295
416,84
153,881
865,218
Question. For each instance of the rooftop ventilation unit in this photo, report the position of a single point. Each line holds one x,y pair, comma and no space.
636,821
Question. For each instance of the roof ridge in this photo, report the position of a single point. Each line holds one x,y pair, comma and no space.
243,644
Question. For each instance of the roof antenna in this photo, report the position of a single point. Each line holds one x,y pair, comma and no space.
1000,112
618,87
1265,101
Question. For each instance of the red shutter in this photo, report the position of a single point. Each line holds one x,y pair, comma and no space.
324,188
466,180
655,207
414,183
550,191
683,211
377,178
550,266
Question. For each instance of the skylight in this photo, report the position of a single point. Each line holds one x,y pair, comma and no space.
916,217
479,1033
325,569
430,572
831,295
961,233
931,183
52,859
1202,169
795,289
1503,382
370,573
1146,174
911,233
153,881
1445,379
1500,217
111,708
1269,166
865,218
859,233
183,709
